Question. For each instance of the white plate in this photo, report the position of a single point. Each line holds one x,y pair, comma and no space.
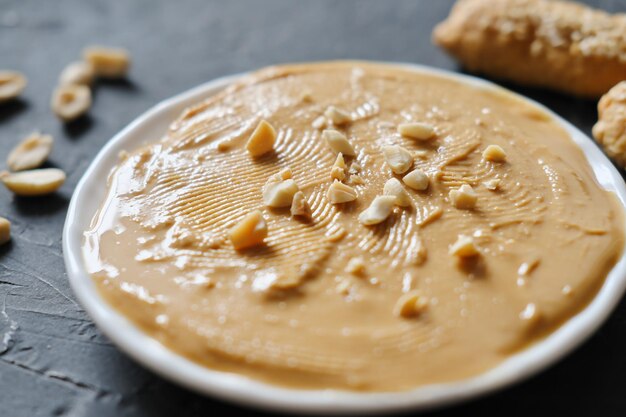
90,193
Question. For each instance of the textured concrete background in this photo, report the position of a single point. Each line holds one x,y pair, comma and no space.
53,361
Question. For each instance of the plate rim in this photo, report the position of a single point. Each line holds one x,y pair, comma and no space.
242,390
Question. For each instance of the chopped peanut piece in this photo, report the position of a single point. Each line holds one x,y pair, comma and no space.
464,247
494,153
69,102
344,287
464,197
108,62
416,179
299,205
5,230
338,171
419,131
410,304
398,158
355,168
356,179
356,266
279,193
285,173
79,72
262,139
492,185
378,211
12,83
337,116
34,182
340,193
250,231
319,123
394,188
30,153
338,142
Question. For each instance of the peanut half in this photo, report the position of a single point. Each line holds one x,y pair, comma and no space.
107,62
34,182
69,102
31,152
12,83
79,72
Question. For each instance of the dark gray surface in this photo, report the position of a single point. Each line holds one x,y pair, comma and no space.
53,361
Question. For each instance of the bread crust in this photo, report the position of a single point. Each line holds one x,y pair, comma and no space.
559,45
610,130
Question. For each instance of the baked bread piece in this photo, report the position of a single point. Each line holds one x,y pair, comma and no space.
555,44
610,131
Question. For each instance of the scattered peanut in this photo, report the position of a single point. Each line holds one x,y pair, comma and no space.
356,179
344,287
284,174
394,188
262,139
299,205
319,123
419,131
250,231
12,83
492,185
464,197
338,142
410,304
31,152
339,192
416,179
34,182
69,102
378,211
356,266
337,116
464,247
338,171
398,158
5,230
78,72
279,193
494,153
107,62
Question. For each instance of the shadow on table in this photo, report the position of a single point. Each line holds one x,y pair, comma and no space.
37,206
11,109
76,128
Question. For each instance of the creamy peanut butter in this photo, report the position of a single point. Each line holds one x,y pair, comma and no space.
290,310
